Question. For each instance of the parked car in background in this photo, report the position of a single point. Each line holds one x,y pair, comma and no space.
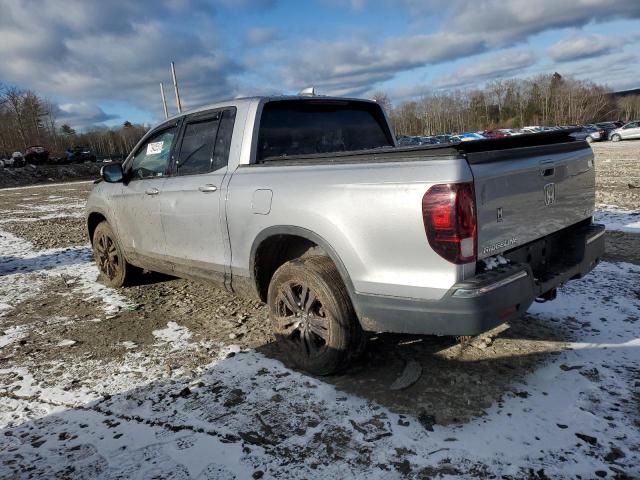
466,137
16,160
608,127
494,134
628,131
589,134
416,140
510,132
36,155
80,154
443,138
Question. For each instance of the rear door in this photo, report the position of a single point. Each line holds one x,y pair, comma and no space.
136,204
523,194
193,198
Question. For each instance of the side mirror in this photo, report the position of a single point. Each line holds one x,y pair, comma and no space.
112,173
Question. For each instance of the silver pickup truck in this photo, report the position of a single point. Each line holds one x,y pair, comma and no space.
308,204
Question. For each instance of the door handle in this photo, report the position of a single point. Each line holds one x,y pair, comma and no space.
208,188
152,191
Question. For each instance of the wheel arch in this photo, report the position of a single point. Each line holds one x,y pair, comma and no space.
288,232
93,220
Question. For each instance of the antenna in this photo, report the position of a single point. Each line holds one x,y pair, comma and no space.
175,87
307,92
164,101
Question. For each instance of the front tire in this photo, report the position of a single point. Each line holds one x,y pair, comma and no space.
115,271
616,138
312,316
589,139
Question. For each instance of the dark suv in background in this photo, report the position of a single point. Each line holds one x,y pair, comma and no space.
77,154
36,155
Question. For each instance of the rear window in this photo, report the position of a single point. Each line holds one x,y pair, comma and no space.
289,128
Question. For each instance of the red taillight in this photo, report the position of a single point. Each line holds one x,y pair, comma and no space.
449,214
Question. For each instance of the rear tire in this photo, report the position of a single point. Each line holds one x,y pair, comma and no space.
312,316
114,269
616,138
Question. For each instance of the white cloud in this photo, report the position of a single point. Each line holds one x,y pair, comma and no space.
118,50
357,64
260,36
89,51
505,63
582,46
82,114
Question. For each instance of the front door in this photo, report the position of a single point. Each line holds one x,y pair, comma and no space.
136,204
193,197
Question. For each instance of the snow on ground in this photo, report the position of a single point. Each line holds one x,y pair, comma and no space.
12,334
244,414
619,219
55,207
68,185
179,337
74,266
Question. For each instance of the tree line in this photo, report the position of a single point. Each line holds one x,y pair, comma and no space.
28,119
542,100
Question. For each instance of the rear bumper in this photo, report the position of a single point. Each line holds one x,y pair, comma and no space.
481,303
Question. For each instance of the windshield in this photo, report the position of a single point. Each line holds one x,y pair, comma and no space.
304,127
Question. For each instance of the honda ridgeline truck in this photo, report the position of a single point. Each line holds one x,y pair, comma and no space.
308,204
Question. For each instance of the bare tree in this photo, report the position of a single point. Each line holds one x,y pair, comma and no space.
544,99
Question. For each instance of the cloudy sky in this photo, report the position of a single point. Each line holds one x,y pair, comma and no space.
101,61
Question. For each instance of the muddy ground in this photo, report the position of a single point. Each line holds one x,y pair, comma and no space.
459,381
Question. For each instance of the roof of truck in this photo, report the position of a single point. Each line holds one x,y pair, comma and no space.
264,99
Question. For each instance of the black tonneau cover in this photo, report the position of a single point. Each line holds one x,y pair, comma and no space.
475,151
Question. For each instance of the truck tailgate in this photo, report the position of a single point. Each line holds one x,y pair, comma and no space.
526,193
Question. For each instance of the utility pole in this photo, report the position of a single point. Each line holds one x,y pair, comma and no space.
164,101
175,87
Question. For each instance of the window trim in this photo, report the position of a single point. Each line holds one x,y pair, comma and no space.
196,118
128,163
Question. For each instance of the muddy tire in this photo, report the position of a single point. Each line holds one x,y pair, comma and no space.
312,317
616,138
115,271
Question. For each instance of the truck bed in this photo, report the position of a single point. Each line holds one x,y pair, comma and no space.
526,186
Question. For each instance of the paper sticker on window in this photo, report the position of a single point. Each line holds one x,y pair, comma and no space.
154,148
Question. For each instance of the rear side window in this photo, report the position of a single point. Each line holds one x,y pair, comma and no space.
196,151
206,144
223,140
304,127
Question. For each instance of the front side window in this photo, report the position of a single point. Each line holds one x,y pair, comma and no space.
152,158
